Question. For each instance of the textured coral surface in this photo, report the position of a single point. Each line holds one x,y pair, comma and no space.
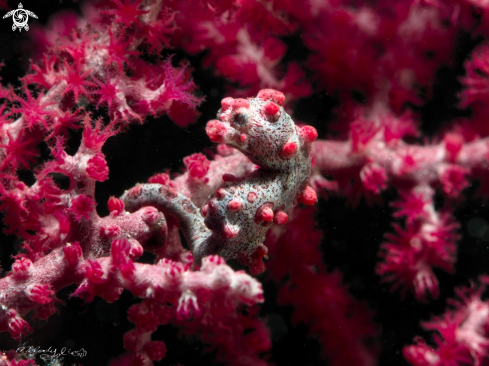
216,251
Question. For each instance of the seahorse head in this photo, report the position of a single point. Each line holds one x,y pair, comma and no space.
258,127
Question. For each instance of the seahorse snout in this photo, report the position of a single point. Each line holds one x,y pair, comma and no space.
217,131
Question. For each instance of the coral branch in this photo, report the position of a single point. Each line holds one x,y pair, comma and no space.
397,91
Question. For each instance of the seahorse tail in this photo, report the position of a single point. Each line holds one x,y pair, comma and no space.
168,200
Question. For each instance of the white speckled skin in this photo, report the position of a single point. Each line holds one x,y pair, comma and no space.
235,225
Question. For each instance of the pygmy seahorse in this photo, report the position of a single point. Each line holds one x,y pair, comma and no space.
234,222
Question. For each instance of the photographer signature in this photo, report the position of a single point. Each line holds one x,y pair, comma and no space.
50,353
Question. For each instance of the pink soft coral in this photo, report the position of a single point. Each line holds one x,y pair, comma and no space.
387,73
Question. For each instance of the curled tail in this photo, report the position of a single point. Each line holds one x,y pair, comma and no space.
168,200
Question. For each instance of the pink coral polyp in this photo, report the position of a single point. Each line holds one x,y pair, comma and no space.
97,168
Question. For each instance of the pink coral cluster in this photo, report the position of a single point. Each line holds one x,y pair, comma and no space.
377,74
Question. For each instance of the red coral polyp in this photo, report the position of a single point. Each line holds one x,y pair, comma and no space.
197,165
41,294
82,206
97,168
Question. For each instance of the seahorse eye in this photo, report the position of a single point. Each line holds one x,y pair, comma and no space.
239,119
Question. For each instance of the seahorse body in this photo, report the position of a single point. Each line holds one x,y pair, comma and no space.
234,222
